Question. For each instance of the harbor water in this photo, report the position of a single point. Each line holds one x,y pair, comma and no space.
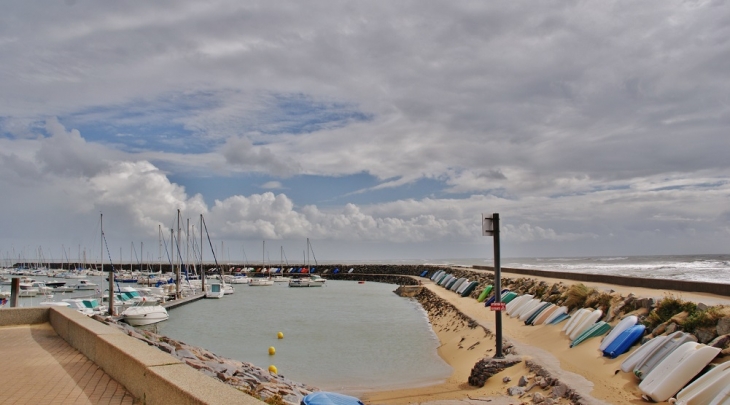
345,337
351,338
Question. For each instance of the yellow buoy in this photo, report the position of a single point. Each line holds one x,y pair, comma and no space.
272,369
280,335
272,351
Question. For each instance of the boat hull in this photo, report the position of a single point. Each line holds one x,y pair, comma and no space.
145,315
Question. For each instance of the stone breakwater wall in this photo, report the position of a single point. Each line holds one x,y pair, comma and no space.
538,386
272,388
437,308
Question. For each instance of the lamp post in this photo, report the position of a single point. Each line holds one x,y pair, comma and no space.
490,227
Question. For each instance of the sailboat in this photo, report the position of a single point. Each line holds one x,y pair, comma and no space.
262,281
313,280
278,278
136,315
212,290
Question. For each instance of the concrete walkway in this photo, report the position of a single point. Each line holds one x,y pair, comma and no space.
39,367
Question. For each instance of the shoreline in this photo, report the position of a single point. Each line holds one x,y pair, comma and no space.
595,378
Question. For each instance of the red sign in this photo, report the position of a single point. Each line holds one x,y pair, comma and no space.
498,306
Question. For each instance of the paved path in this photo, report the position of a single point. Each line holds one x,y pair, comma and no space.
39,367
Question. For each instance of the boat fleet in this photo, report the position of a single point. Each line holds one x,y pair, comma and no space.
667,368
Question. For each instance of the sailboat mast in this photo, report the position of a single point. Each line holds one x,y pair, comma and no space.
177,279
111,273
202,270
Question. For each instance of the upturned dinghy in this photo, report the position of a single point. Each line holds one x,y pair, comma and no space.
597,329
706,388
674,340
676,370
587,322
624,341
624,324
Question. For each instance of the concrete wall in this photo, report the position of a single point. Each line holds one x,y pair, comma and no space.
23,316
653,283
152,376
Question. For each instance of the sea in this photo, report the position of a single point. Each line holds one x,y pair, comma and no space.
353,338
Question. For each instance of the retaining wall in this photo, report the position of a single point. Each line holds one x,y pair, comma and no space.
150,375
653,283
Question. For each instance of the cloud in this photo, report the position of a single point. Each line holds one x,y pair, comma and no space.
574,120
241,153
272,185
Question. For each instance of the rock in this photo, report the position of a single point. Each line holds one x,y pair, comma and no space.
487,367
506,379
560,390
721,342
659,329
512,391
523,381
538,398
671,328
701,306
166,348
705,335
723,326
182,353
679,318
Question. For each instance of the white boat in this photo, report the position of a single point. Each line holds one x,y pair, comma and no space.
42,287
707,387
676,370
87,306
560,311
27,290
85,285
145,315
586,323
260,282
214,290
228,289
311,281
280,279
238,279
55,304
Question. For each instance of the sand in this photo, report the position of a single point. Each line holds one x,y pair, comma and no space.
597,379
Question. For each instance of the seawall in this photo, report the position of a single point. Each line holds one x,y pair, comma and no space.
150,375
485,274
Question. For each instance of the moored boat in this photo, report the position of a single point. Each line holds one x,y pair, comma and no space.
144,315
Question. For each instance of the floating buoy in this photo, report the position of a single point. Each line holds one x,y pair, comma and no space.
272,369
272,351
280,335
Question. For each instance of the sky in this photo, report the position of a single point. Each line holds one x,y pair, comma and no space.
378,130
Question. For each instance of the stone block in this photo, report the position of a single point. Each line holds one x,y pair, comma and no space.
23,316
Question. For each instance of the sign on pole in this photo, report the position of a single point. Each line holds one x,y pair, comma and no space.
487,225
498,306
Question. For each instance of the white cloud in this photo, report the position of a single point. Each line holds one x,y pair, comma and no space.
272,185
577,121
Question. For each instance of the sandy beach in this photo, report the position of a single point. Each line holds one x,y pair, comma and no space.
595,378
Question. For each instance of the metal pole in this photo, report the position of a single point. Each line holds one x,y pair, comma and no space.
14,291
498,288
